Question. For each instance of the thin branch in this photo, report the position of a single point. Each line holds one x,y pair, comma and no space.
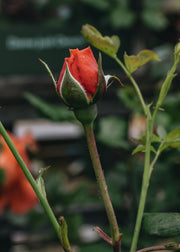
170,246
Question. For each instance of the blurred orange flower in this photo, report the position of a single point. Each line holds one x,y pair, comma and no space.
16,192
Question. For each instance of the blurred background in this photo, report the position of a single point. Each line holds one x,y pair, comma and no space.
46,29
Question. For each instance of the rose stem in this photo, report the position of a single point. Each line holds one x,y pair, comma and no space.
147,166
88,128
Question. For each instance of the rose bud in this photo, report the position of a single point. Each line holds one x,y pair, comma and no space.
81,81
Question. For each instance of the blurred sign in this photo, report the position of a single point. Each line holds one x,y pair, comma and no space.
22,45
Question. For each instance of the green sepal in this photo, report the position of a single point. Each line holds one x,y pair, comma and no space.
108,45
113,78
72,92
133,62
49,72
86,115
101,87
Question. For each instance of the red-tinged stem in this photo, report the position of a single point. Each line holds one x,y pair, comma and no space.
161,247
116,236
103,235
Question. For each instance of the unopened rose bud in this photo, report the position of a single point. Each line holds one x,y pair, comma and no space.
81,81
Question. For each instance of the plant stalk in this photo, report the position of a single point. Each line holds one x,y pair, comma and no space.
116,236
31,180
149,132
146,177
147,166
145,184
161,247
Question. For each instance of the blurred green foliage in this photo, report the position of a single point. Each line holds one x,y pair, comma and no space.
122,170
114,13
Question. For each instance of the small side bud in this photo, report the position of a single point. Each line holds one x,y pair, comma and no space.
177,51
64,234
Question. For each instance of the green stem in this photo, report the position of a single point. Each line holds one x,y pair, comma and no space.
155,159
88,128
149,132
145,184
30,178
149,167
135,85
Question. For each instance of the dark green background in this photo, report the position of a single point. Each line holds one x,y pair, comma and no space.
18,61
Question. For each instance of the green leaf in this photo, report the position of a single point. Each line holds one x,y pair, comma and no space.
147,55
172,139
162,224
53,112
133,62
141,148
155,139
108,45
